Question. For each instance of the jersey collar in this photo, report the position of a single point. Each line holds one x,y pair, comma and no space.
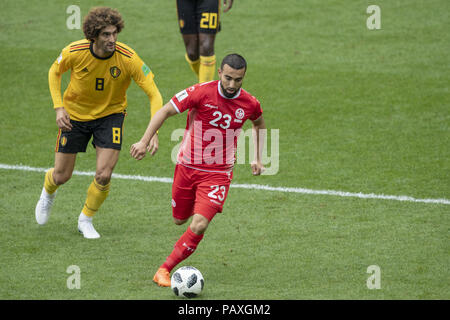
91,49
223,96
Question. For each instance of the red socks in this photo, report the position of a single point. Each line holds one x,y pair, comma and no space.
183,248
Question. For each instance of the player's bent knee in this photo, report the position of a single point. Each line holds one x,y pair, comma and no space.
191,45
102,178
206,51
192,54
179,222
206,46
199,224
61,177
199,228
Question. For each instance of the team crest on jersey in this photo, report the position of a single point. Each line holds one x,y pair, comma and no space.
181,23
115,72
63,141
240,114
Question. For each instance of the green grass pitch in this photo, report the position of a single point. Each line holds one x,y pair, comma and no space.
358,110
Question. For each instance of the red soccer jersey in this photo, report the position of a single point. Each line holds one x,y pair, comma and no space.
214,123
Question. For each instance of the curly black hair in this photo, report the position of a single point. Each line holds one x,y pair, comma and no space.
99,18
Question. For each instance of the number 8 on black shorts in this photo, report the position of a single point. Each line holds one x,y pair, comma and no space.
106,132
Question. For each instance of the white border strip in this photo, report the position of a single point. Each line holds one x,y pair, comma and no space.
247,186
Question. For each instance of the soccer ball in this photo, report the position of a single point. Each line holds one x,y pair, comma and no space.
187,282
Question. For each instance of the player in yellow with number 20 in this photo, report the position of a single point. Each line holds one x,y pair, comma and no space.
93,105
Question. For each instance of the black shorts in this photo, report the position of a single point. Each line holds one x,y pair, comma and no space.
198,16
106,133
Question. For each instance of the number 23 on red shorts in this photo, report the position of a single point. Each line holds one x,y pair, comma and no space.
197,191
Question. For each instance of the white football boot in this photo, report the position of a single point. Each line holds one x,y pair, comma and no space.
86,227
44,206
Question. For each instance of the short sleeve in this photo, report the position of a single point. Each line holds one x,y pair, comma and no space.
186,99
257,110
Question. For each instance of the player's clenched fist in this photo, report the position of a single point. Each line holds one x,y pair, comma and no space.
138,150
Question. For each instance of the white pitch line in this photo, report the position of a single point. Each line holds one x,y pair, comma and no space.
247,186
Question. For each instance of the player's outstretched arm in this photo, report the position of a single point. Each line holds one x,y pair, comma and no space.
139,149
258,133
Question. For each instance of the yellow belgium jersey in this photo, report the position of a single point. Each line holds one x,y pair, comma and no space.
98,86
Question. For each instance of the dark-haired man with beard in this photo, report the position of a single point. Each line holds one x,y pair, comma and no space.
204,169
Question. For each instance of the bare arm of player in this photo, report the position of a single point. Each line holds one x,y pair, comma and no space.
227,4
54,81
138,150
153,145
259,134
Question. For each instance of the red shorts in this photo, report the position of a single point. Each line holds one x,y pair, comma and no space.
196,191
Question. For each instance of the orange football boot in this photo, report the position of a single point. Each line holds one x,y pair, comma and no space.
162,277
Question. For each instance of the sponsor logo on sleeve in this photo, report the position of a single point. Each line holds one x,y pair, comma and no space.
145,69
181,95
